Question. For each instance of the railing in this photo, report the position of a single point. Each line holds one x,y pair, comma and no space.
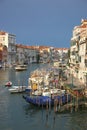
11,51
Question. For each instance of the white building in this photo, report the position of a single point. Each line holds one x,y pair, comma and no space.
9,40
25,54
78,52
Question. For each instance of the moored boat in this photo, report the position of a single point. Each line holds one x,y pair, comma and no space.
46,91
46,100
21,67
37,100
17,89
28,89
8,84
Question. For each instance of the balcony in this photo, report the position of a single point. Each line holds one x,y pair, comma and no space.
77,66
77,49
11,52
86,57
83,40
85,70
86,52
73,56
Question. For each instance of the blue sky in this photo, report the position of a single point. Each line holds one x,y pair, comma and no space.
42,22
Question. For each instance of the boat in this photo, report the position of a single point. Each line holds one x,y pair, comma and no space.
46,91
8,84
21,67
42,80
52,91
46,100
37,92
28,89
17,89
43,90
0,66
37,100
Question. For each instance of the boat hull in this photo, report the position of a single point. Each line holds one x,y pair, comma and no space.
21,68
17,89
46,100
8,84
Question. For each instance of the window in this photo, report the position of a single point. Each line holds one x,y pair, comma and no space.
3,38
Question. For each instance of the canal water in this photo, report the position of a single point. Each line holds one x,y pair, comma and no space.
16,114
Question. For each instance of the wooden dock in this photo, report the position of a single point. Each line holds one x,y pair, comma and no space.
78,100
70,106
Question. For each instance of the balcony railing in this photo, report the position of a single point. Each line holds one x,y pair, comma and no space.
77,66
11,51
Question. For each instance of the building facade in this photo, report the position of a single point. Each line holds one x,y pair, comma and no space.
26,54
78,52
9,41
3,55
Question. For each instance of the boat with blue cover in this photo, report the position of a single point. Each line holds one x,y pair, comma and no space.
44,100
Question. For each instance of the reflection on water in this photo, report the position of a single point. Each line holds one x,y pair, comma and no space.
30,110
50,120
4,76
16,114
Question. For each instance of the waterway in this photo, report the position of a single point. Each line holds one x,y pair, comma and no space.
16,114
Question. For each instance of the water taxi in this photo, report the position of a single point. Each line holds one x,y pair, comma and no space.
21,67
17,89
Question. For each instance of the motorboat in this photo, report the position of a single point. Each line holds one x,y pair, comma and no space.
21,67
17,89
8,84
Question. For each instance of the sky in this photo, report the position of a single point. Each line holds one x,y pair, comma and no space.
42,22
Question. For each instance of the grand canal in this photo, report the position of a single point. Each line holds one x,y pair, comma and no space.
16,114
